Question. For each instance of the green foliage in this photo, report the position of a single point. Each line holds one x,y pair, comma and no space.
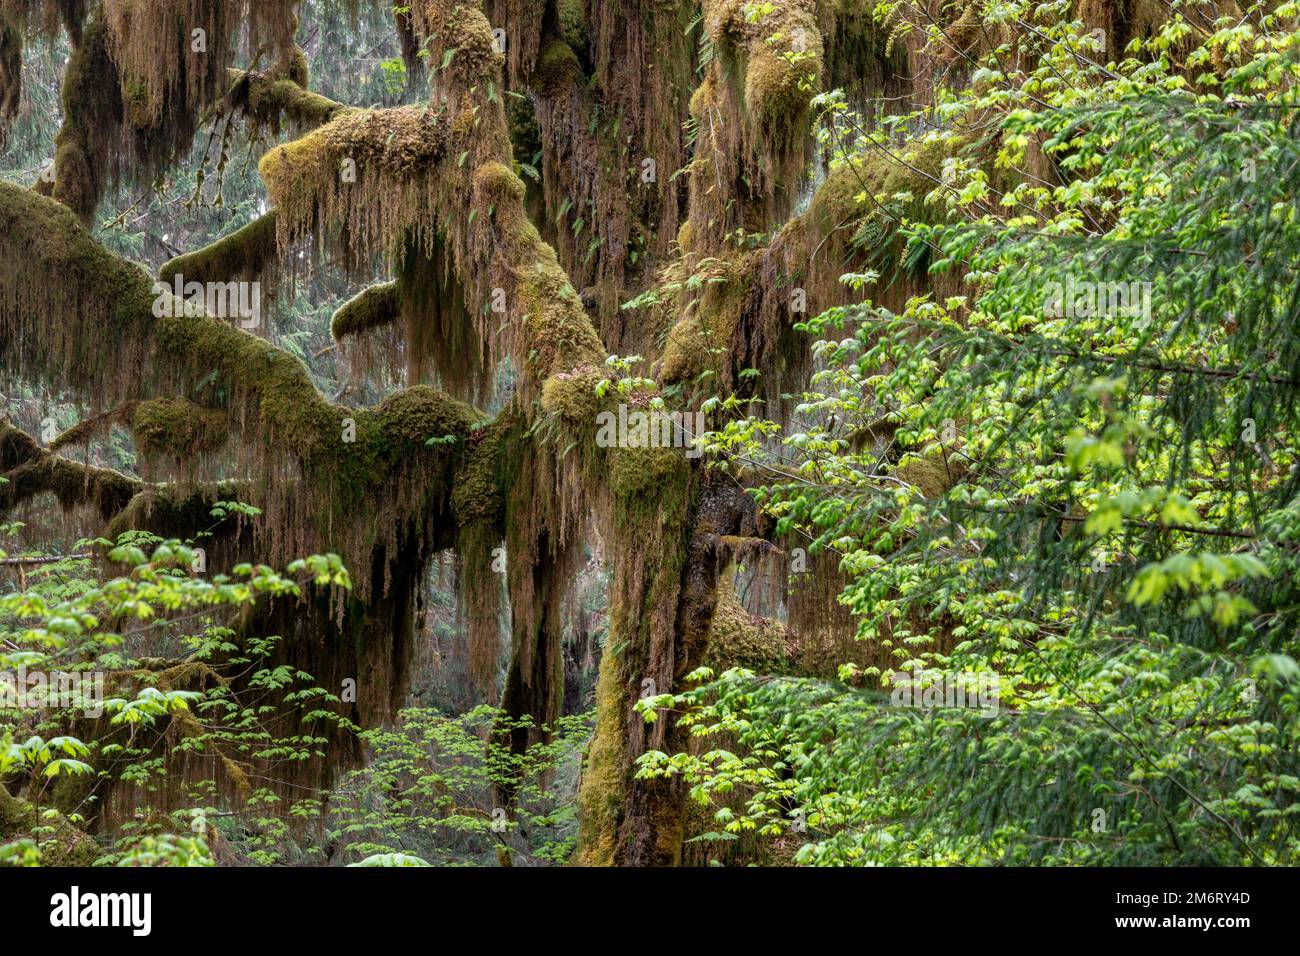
1109,514
138,672
435,789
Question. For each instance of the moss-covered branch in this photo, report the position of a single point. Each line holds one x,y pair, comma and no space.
30,470
409,169
247,253
271,98
95,332
371,308
120,501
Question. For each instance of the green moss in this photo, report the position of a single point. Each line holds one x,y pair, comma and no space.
496,183
85,158
777,91
862,201
268,100
846,193
773,65
61,843
392,141
373,307
299,68
685,237
703,338
31,470
572,396
296,167
463,28
650,488
703,96
686,351
246,252
16,816
178,428
572,15
740,639
478,493
416,414
932,475
136,99
601,795
557,69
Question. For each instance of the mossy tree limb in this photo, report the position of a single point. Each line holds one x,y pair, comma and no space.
248,253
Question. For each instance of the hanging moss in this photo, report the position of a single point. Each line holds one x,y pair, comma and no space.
610,86
269,100
89,152
703,339
411,164
464,28
174,511
553,333
87,429
30,470
765,70
478,504
165,67
863,57
137,83
366,177
11,75
286,430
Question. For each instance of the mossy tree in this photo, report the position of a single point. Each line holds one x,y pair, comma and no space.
568,159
